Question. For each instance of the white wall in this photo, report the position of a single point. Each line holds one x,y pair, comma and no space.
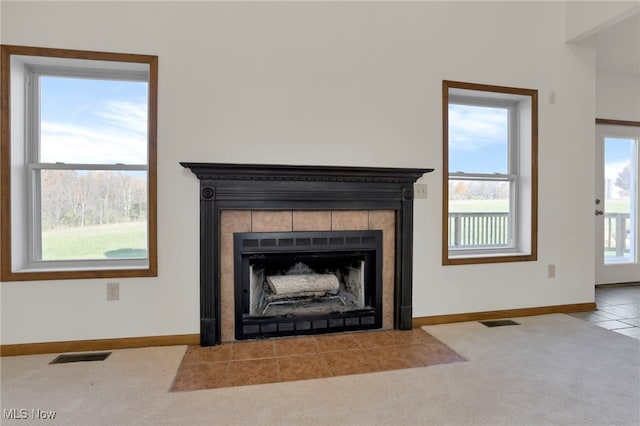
324,83
618,96
585,18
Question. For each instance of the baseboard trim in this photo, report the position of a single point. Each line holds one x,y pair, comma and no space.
194,339
507,313
98,345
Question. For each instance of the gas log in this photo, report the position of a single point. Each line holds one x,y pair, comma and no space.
303,284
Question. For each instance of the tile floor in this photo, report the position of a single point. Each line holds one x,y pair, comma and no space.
618,309
308,357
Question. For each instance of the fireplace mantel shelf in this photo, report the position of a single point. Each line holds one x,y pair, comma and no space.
281,187
279,172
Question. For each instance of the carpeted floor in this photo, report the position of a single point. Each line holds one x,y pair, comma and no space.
311,357
550,370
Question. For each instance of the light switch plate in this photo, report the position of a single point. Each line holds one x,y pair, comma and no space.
420,190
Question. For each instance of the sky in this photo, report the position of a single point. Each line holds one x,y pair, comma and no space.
478,139
93,121
618,153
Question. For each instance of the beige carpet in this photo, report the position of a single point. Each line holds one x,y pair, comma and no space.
552,369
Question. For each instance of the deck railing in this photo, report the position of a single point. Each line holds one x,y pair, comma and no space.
617,237
478,230
482,230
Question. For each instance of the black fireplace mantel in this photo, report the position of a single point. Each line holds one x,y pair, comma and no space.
277,187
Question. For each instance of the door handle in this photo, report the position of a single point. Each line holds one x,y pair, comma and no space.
599,212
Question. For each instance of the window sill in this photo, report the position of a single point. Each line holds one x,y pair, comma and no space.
474,259
32,275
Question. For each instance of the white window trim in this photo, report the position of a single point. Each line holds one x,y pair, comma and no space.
511,177
25,226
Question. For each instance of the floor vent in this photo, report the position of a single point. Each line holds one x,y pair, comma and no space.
498,323
94,356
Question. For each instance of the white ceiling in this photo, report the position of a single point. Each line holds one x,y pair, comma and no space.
618,46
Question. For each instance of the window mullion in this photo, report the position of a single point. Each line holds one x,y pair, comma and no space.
91,73
32,156
481,176
34,225
515,213
32,117
513,143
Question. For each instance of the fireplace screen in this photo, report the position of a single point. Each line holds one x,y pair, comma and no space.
307,282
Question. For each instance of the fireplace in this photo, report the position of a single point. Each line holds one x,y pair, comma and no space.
292,283
284,191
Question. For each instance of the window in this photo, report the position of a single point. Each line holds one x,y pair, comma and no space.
78,164
490,179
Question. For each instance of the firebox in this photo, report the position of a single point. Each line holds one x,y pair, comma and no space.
296,283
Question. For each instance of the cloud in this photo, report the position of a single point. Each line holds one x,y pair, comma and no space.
126,116
120,136
474,128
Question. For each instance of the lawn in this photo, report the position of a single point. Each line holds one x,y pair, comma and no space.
491,206
120,240
478,206
617,206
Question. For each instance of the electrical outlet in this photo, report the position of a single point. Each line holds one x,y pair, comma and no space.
551,271
113,291
420,190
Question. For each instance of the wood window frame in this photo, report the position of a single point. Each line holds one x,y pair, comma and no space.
6,269
532,252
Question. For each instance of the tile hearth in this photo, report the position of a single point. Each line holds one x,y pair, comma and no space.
309,357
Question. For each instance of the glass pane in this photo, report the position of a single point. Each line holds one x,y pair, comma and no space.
88,214
91,121
478,139
620,206
479,214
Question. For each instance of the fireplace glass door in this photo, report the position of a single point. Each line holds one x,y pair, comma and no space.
307,282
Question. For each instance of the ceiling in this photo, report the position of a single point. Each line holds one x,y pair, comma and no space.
618,46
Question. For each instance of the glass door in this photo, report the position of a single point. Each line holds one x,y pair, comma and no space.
616,204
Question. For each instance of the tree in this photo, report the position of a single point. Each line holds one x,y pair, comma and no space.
623,181
461,189
72,198
52,205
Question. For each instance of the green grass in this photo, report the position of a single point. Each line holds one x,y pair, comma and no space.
480,206
618,206
491,206
120,240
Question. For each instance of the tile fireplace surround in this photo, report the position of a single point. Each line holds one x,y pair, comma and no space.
300,220
276,198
